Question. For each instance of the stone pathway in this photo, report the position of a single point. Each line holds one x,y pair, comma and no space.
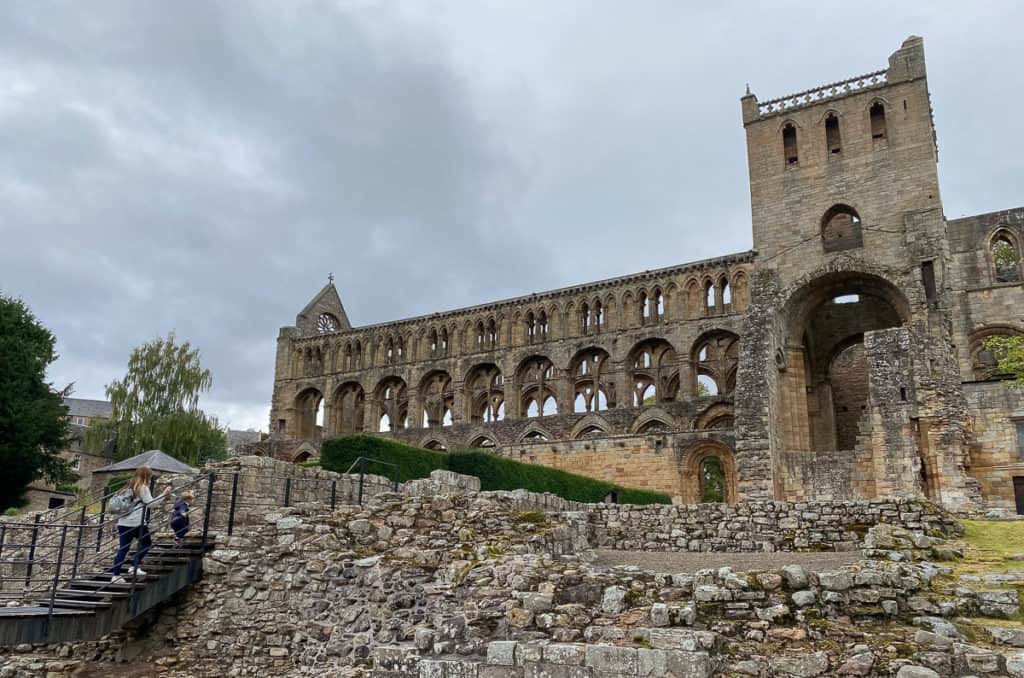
674,562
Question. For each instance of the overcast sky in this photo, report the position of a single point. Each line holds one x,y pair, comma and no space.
202,166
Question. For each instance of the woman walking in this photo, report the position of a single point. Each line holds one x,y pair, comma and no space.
132,525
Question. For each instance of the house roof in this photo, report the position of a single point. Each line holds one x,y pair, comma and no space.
81,407
154,459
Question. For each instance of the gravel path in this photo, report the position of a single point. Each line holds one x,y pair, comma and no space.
672,562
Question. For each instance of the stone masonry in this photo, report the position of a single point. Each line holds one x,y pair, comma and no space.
842,357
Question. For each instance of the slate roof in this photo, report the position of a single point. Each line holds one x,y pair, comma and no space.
81,407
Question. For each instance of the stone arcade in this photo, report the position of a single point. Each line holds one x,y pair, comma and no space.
841,358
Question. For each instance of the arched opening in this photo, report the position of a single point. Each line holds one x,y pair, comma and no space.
706,385
878,130
824,384
436,445
588,377
591,432
347,417
392,405
535,436
438,398
1006,258
709,474
709,295
645,308
986,354
726,293
654,373
485,395
832,139
483,442
841,229
715,357
309,414
536,395
303,455
789,144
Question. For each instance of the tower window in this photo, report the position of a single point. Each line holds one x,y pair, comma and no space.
878,121
832,134
789,144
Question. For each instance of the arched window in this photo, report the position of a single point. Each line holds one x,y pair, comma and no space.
348,357
433,343
659,305
531,327
1006,262
358,354
485,396
598,316
444,341
841,229
393,404
832,140
535,436
480,336
585,318
645,308
706,385
532,409
482,441
384,424
655,373
789,144
709,295
550,407
542,326
878,130
492,334
726,292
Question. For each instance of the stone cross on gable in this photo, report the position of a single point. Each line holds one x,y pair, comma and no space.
330,278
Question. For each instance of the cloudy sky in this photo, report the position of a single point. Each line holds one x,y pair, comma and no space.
201,166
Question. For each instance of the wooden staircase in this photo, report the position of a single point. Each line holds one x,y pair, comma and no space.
91,606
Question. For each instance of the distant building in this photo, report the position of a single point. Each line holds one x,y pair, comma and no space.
237,439
82,414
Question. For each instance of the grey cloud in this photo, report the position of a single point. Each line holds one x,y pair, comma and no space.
201,166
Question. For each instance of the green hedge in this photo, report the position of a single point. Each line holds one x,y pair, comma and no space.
495,472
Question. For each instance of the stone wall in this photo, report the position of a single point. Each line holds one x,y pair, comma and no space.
468,585
758,525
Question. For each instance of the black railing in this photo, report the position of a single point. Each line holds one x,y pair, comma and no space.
40,557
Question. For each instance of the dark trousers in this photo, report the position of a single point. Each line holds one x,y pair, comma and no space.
180,526
125,535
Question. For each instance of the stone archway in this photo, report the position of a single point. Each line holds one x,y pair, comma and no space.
709,473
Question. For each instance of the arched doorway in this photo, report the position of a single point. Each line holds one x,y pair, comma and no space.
824,386
309,412
709,474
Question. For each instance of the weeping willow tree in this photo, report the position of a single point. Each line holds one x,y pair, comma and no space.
156,406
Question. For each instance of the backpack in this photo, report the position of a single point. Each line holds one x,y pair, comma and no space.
122,503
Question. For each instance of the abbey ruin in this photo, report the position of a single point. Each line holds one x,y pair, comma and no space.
842,357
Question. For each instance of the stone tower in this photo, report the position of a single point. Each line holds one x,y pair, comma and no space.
850,344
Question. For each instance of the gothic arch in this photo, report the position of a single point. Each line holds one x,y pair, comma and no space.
347,408
985,363
535,433
485,393
434,442
715,416
654,372
590,421
651,415
715,355
1004,256
480,438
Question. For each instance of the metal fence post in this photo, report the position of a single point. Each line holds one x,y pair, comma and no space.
287,491
334,497
362,474
206,511
3,536
56,578
99,525
398,472
78,543
32,552
231,511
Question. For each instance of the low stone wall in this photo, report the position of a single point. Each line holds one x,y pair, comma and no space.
467,585
758,525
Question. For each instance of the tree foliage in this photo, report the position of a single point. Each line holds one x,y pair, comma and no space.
1009,354
156,406
33,417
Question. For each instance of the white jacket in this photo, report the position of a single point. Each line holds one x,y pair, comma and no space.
145,499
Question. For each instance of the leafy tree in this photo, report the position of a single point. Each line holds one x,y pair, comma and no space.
1009,354
156,406
33,417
